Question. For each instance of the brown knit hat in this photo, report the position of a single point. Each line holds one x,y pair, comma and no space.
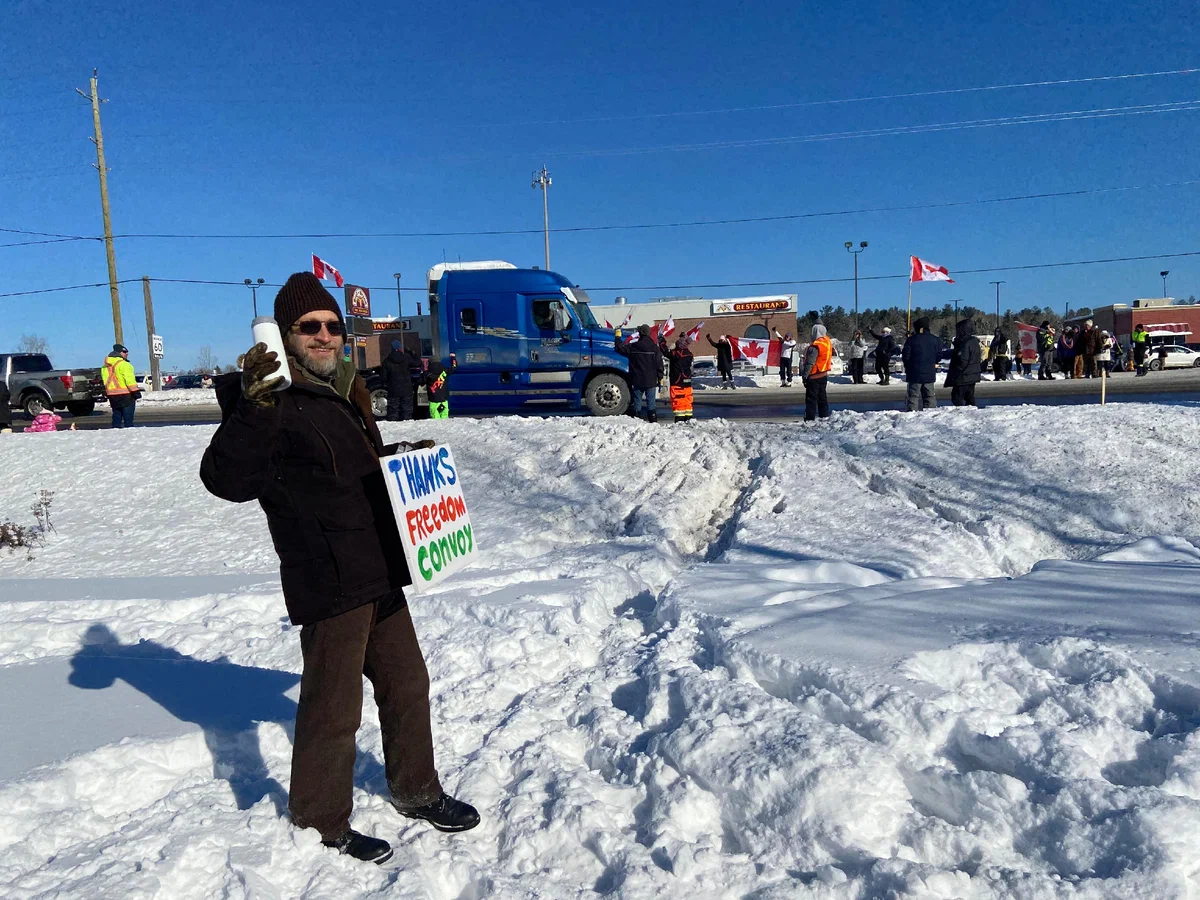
302,293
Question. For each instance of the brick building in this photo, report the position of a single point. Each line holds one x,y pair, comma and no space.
1166,322
373,338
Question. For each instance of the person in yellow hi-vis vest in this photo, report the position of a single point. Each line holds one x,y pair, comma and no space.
121,385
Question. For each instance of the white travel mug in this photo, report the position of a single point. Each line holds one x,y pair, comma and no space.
266,331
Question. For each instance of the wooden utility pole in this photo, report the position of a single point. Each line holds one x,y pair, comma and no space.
155,373
98,140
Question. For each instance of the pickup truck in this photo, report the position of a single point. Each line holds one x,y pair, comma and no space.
35,386
522,340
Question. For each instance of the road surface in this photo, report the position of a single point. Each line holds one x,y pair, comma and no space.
773,403
776,402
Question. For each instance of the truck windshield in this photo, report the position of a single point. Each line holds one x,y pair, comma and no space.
579,301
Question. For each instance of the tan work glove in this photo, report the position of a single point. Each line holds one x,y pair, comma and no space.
257,365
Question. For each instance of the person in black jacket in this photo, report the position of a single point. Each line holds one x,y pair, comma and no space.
724,360
310,456
920,354
5,409
397,370
883,355
966,364
679,361
645,367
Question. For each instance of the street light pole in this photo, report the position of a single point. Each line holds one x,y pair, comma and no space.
956,302
997,284
1164,275
254,285
399,299
542,179
850,249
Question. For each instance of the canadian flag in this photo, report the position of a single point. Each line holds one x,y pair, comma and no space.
927,271
1027,339
607,324
324,270
628,319
753,349
666,327
693,334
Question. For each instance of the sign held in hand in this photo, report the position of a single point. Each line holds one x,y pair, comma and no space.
435,528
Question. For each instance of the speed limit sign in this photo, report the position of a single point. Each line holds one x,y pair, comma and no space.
156,346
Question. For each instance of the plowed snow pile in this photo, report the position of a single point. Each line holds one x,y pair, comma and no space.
945,655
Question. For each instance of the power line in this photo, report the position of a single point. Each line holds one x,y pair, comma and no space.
64,240
846,100
1054,265
43,233
55,290
930,128
783,217
676,287
32,112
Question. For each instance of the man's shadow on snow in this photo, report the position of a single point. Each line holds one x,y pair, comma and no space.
227,701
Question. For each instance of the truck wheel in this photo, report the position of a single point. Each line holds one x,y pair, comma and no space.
35,404
379,403
606,395
81,407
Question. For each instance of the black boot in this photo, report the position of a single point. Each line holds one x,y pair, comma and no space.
359,846
445,814
652,416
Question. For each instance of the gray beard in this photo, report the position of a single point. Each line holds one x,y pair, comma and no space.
320,368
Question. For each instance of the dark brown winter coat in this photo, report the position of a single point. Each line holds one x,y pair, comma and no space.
312,463
1089,342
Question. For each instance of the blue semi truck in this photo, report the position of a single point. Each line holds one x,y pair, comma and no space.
522,340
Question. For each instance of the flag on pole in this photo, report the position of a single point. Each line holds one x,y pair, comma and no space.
693,334
927,271
324,270
628,319
607,324
665,328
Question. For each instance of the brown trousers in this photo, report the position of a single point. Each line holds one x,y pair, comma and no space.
338,652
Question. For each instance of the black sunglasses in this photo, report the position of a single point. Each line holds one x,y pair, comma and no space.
314,328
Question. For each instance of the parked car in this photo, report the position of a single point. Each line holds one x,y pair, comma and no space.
184,381
895,364
746,367
1177,358
704,368
35,386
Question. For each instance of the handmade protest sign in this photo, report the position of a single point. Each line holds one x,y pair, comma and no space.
435,528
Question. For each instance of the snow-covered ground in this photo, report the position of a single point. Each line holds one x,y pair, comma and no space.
953,654
180,396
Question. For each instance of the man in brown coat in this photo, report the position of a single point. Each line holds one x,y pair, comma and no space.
1088,345
310,456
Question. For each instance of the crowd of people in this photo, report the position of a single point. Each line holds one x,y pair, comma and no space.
1084,352
1079,352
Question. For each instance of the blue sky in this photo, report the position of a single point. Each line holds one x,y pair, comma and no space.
299,117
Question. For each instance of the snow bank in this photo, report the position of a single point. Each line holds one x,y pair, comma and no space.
180,397
944,655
